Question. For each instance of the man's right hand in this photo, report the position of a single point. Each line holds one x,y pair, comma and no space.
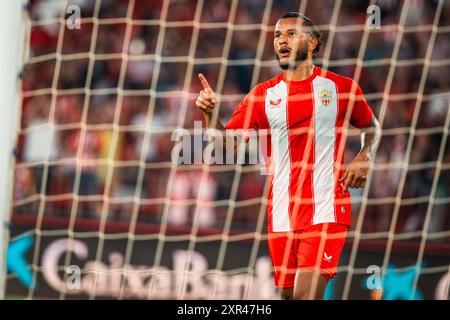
207,98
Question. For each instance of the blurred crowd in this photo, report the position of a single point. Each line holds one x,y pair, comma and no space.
106,149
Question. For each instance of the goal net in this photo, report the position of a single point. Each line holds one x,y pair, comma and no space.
99,208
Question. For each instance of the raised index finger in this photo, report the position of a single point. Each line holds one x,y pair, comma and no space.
204,82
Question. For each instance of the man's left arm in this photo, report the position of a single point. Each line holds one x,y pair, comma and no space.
355,175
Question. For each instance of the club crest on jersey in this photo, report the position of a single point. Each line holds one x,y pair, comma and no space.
275,103
325,97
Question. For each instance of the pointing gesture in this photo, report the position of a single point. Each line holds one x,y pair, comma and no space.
207,98
204,82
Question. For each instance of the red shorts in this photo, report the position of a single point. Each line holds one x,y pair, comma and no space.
318,247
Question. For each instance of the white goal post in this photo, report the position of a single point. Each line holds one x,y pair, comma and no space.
11,59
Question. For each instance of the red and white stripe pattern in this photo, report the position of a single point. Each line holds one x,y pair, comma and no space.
324,151
281,159
306,121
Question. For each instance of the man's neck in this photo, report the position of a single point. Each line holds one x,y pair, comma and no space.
303,71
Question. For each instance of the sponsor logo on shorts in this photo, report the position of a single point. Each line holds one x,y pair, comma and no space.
326,257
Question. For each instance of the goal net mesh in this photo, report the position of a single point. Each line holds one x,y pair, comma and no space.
101,209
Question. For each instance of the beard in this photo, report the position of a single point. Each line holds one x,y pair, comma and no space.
300,56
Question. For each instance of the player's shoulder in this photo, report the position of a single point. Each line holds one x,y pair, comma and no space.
262,87
339,79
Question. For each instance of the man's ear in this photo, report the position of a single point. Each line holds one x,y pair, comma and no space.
313,43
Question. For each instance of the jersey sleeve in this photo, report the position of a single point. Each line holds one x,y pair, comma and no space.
361,112
246,114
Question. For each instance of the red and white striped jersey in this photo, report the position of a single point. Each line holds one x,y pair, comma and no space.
306,120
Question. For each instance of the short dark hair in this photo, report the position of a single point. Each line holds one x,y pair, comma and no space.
306,22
